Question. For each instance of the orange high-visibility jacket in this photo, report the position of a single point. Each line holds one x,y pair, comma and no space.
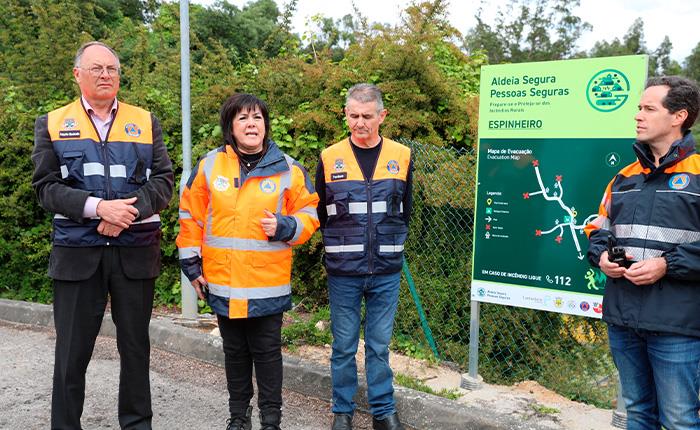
221,236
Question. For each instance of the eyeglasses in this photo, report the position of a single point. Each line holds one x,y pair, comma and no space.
96,71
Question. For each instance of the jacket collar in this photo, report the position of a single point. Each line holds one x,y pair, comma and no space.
272,163
679,150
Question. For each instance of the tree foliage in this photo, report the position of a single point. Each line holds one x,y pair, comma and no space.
541,30
240,31
633,43
427,80
691,66
525,30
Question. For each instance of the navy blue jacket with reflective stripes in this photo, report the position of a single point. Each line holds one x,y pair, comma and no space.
654,211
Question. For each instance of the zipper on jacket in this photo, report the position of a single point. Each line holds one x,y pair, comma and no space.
368,186
105,154
103,146
370,251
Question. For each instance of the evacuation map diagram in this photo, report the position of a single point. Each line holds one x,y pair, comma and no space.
567,222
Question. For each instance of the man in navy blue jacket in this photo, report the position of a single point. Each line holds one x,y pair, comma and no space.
651,208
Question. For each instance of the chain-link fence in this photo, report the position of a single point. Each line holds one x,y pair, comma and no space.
567,354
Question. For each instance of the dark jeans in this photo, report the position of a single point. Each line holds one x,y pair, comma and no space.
249,341
78,311
660,378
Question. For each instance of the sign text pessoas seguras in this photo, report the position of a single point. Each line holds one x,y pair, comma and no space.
536,86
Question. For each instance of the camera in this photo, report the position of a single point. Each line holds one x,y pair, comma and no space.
617,254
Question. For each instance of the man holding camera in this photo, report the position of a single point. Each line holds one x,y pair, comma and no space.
651,209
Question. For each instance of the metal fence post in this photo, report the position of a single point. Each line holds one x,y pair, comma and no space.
188,295
472,380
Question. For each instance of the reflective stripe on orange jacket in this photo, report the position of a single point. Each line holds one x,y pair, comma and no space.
220,232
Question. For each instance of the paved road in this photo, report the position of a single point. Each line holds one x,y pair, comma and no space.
187,394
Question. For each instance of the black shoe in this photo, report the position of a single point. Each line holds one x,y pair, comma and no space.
270,419
240,422
389,423
342,422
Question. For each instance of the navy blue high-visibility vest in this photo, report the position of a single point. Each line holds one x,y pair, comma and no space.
365,230
109,169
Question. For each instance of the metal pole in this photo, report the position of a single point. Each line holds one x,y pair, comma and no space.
419,307
189,297
472,380
619,418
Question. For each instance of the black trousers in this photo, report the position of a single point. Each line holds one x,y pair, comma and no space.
79,308
248,342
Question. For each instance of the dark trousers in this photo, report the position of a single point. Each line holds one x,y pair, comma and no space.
249,341
79,308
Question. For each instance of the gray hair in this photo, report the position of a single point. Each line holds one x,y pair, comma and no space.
81,50
365,93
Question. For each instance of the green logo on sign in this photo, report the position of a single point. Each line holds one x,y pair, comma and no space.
608,90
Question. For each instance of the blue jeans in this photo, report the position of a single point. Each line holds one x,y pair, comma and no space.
381,294
659,374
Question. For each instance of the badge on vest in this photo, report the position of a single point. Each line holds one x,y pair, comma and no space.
339,176
268,186
69,133
339,164
221,183
132,130
393,167
70,123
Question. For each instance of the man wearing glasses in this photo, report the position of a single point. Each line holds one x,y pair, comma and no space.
102,169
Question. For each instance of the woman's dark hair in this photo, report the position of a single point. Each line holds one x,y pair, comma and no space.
235,104
682,94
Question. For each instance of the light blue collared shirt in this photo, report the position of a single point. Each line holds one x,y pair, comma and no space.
102,126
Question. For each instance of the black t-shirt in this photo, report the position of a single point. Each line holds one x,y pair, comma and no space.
249,161
367,159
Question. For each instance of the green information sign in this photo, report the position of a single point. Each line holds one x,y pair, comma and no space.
551,137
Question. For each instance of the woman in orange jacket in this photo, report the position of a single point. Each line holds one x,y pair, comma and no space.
244,207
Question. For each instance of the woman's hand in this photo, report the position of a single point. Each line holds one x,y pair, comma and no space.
269,223
199,285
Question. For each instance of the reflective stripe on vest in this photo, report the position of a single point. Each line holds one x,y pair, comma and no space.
361,208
